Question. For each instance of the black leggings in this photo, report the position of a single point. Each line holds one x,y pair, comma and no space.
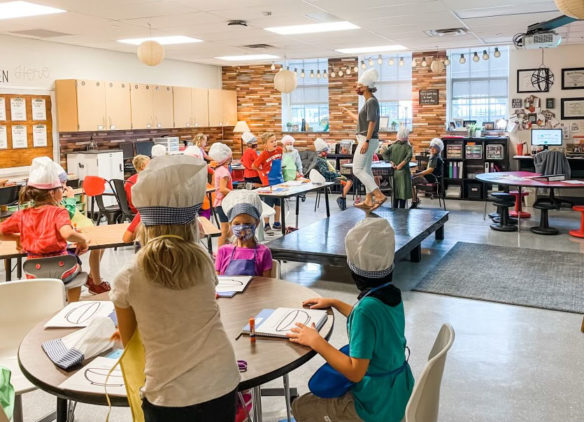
221,409
399,203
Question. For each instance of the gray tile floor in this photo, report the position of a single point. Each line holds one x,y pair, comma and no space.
508,363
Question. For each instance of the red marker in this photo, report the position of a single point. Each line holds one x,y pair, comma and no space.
252,335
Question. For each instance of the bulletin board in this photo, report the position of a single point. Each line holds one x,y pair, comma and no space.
26,118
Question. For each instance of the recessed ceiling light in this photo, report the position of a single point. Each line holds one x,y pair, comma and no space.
168,40
312,28
376,49
247,57
21,9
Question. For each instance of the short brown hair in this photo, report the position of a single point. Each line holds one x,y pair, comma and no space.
140,162
37,196
267,135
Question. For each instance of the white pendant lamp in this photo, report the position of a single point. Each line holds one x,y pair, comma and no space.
437,66
285,81
572,8
150,53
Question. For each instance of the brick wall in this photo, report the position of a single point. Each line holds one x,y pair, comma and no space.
428,120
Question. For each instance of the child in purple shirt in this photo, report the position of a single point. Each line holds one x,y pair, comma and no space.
245,256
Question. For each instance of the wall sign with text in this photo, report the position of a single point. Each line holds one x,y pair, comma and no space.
429,97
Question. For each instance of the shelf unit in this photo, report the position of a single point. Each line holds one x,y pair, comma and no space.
469,166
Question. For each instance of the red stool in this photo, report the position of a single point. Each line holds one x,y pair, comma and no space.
518,212
579,233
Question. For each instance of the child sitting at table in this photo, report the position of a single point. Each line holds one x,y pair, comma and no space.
269,166
167,293
245,256
94,283
330,173
221,154
44,226
250,175
433,171
139,162
291,162
375,379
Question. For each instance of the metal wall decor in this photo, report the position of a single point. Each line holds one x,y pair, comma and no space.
543,77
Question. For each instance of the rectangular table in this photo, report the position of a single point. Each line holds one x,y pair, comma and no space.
323,242
289,191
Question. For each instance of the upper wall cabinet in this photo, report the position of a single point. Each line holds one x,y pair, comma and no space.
222,107
142,112
191,107
200,101
84,105
162,107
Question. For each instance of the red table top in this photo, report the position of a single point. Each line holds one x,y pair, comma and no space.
523,178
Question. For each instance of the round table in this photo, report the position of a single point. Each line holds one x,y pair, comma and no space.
268,359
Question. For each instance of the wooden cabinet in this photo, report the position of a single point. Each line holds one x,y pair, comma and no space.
222,107
141,105
182,105
200,105
117,105
91,105
162,106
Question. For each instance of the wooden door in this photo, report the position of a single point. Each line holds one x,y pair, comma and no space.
141,103
117,104
200,101
215,107
162,106
229,107
182,107
91,108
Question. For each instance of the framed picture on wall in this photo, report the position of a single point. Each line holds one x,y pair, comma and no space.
573,108
573,78
489,125
517,103
524,81
550,103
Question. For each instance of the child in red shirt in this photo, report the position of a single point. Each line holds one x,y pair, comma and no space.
249,156
45,227
139,162
269,165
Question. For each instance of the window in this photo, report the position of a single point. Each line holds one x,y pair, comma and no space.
307,107
478,90
394,89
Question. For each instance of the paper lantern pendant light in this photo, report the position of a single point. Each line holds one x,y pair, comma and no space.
437,66
572,8
285,81
150,53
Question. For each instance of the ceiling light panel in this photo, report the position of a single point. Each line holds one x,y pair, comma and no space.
374,49
168,40
22,9
312,28
507,10
248,57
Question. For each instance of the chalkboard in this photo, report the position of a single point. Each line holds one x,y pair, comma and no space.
429,97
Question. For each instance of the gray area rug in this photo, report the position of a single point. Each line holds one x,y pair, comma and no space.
517,276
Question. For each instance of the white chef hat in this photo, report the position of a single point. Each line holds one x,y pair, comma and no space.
220,152
158,150
242,201
369,78
43,174
249,138
193,151
403,133
320,145
370,247
288,139
170,190
61,172
437,143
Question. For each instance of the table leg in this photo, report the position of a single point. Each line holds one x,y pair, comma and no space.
62,408
17,413
8,268
297,209
416,254
210,245
287,397
519,199
326,199
283,214
257,404
19,268
439,235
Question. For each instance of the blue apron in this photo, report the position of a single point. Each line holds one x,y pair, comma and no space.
241,266
275,175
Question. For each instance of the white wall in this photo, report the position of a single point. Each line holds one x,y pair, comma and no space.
36,64
556,58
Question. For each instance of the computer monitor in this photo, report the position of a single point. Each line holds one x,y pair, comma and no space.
546,137
144,148
128,149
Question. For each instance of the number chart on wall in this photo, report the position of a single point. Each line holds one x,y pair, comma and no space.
26,129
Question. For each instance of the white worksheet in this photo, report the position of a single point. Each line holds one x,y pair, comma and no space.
18,109
19,137
39,136
2,109
39,109
80,314
228,283
93,378
3,138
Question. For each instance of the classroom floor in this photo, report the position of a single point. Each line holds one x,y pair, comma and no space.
508,363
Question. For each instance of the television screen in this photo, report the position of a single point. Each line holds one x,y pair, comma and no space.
546,137
144,148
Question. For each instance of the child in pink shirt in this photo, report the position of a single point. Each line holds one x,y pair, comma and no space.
221,154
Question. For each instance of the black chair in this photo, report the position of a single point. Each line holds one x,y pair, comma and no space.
94,187
544,205
503,201
9,195
122,198
436,189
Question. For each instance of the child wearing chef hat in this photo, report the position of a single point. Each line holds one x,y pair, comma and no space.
45,227
245,256
399,154
167,293
291,162
432,173
221,154
329,172
250,175
377,378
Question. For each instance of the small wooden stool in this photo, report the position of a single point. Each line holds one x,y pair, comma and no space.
518,212
580,232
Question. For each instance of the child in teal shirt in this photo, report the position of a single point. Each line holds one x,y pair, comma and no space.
377,365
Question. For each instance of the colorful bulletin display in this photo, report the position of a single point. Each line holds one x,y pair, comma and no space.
26,129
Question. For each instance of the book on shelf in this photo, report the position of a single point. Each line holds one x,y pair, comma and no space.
455,170
474,152
454,151
495,152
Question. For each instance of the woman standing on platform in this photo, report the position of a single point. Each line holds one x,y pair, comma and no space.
399,154
367,137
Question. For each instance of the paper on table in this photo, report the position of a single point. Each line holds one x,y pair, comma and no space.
92,378
279,322
80,314
232,283
574,182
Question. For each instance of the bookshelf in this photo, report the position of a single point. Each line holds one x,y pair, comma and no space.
464,158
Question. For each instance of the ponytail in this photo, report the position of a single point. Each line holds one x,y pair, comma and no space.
37,196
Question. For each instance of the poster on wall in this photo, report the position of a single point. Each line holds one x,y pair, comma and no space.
19,138
39,109
18,109
39,136
524,81
3,138
573,78
2,109
573,108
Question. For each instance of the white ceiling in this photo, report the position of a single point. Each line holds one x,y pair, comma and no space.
99,23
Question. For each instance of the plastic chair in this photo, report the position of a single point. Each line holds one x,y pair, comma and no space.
94,188
276,270
24,304
267,212
122,199
53,267
580,232
317,179
424,402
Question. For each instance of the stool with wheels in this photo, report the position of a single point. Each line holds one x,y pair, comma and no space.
580,232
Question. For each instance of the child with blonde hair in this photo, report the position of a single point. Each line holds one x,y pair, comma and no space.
167,293
139,162
269,166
